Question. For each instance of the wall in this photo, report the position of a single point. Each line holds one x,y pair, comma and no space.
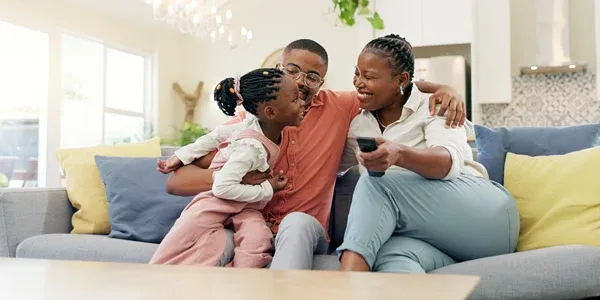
58,16
547,100
282,24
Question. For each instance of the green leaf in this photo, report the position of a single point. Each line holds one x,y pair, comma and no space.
347,10
364,11
376,21
187,134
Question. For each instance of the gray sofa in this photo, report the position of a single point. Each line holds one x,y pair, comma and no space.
35,223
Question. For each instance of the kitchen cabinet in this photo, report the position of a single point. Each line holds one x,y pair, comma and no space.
402,17
490,52
428,22
447,22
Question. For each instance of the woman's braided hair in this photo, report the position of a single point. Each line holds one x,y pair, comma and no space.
260,85
397,50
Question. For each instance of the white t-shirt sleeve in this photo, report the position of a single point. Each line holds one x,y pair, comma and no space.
206,143
453,139
244,155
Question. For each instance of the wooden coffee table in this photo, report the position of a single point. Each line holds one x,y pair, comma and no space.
45,279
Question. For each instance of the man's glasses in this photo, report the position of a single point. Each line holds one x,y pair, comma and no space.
311,80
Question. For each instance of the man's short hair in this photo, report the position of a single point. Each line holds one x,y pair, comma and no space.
310,46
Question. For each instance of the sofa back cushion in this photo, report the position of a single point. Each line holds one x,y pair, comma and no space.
493,144
168,150
139,207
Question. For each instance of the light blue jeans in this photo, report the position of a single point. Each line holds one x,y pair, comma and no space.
299,238
404,223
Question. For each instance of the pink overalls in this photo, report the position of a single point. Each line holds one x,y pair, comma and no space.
198,237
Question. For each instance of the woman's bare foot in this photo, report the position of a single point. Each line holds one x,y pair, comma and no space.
352,261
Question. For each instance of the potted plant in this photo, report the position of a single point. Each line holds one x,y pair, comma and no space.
348,10
187,135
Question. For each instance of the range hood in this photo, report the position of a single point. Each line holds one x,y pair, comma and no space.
552,39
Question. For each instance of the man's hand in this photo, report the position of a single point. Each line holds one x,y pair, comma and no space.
450,101
255,177
387,154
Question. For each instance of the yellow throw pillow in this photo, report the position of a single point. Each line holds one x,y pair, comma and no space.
84,185
558,198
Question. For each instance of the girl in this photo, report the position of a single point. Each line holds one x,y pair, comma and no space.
435,205
198,236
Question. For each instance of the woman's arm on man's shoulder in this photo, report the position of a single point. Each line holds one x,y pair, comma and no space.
448,99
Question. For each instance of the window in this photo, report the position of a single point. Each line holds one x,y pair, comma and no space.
64,91
23,90
105,94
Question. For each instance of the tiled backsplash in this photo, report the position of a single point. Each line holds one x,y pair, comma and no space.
547,100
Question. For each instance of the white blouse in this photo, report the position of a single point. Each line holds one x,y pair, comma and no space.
417,129
243,155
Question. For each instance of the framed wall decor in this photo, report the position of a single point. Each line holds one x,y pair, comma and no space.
273,59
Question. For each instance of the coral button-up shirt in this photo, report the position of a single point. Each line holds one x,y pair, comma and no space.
310,156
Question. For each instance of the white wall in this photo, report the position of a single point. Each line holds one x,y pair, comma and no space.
59,16
274,23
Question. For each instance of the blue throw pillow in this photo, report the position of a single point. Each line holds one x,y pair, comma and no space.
139,207
493,144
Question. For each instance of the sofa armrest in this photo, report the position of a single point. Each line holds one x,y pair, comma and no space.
27,212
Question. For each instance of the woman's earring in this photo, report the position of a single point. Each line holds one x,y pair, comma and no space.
400,90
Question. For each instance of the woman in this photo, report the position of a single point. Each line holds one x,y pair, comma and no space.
434,206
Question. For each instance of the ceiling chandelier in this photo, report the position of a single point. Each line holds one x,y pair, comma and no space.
204,19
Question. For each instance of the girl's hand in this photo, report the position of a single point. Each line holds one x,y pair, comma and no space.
171,164
387,154
255,177
278,182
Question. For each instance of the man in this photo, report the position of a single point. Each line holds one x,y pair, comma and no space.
309,157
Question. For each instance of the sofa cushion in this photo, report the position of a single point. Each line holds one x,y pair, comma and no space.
168,150
493,144
139,207
563,272
557,198
84,186
88,247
